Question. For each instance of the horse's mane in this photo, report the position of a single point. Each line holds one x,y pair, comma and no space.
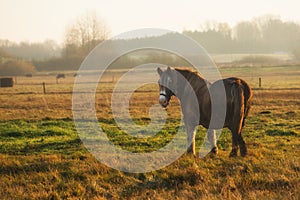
193,77
189,73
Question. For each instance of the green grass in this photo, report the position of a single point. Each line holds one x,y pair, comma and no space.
46,159
20,137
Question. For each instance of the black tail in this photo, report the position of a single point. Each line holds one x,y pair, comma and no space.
247,100
239,104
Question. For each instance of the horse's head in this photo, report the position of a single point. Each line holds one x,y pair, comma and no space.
166,83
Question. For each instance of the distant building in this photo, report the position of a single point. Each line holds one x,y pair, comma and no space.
6,82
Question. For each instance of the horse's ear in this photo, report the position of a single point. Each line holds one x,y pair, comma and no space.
169,69
159,71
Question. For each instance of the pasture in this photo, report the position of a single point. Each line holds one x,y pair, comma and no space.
42,157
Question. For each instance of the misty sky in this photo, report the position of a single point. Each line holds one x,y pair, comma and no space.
37,20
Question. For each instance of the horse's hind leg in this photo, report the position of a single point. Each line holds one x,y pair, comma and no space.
235,143
242,144
211,136
238,142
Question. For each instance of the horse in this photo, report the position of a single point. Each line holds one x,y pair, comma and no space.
58,76
236,102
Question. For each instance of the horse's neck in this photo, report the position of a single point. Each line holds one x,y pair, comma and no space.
191,105
200,87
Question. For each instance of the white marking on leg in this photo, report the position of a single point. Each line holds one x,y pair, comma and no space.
211,136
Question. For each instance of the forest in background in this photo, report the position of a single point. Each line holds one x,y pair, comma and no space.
262,35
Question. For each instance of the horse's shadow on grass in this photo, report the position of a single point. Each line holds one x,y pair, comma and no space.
62,147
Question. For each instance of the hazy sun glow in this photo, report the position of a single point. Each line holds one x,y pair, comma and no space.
36,20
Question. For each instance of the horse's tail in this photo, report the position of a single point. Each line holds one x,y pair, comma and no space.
237,93
247,100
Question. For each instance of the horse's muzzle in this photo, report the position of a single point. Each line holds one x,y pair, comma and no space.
163,101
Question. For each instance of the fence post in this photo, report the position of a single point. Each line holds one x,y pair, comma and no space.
44,87
259,82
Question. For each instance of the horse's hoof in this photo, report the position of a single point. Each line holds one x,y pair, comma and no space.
190,154
214,152
212,155
243,151
233,154
244,155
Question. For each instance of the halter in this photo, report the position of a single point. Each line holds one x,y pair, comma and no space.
168,97
171,87
175,83
162,94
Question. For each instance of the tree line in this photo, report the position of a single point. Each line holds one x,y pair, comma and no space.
268,34
31,51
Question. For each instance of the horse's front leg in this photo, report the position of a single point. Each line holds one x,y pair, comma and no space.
211,136
191,132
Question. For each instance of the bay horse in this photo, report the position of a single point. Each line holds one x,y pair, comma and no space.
236,101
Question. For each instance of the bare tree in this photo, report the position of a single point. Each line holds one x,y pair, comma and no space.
247,32
84,34
225,29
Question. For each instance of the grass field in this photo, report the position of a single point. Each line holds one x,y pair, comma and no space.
42,156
